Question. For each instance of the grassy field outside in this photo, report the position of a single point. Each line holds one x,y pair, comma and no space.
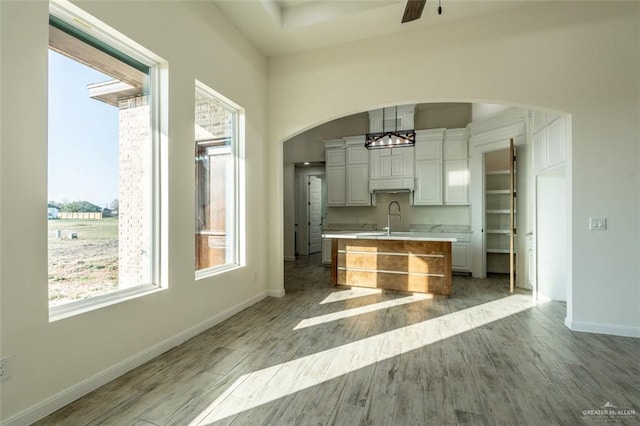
84,266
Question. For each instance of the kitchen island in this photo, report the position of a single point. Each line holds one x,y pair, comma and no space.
405,261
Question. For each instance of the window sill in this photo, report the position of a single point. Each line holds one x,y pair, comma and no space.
71,309
210,272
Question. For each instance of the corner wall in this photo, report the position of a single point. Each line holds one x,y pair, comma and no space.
54,363
582,59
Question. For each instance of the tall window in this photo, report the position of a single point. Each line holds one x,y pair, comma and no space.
101,175
216,161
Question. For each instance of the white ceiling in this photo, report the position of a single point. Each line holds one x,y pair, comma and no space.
282,27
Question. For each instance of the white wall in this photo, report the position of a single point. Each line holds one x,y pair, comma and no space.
579,58
449,215
551,206
479,111
53,362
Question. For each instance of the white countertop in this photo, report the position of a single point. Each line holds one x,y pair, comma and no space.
382,235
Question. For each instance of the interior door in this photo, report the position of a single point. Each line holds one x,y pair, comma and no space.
315,214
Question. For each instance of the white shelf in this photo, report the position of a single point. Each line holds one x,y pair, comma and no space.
498,191
497,231
498,172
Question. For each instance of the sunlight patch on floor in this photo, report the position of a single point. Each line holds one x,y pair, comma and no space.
272,383
352,293
334,316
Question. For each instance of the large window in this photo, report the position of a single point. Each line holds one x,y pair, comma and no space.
217,193
102,166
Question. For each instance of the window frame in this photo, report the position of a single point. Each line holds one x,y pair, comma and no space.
77,18
236,148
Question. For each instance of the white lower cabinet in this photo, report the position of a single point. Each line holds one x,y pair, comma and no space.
461,256
326,250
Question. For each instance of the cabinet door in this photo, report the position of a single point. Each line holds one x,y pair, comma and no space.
461,256
455,150
397,165
428,183
408,158
326,250
358,186
336,186
335,157
384,161
456,182
428,150
357,155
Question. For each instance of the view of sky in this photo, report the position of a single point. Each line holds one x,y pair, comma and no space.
83,136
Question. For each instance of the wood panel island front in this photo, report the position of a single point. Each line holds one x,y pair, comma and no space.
404,261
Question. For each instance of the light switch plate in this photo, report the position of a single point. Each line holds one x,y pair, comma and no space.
597,223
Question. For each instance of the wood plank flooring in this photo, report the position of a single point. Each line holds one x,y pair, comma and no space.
338,356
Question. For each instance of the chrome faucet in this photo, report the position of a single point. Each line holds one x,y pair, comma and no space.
389,214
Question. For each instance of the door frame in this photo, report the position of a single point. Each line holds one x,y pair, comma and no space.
301,196
476,197
308,222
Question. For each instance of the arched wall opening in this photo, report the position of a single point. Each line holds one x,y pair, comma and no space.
553,274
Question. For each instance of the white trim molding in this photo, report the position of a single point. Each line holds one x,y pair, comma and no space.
275,293
59,400
599,328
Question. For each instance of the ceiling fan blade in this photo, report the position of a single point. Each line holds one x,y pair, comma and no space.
413,10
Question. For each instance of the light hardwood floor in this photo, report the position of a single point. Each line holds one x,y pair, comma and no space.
323,355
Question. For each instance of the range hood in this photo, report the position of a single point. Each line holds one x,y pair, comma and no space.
391,185
393,180
391,191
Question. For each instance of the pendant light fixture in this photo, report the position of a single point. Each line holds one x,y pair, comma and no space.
390,139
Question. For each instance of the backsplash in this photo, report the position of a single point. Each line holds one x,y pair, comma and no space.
450,215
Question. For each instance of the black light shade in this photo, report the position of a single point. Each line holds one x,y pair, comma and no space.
391,139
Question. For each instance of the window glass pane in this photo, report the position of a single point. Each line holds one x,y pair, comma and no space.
100,179
215,132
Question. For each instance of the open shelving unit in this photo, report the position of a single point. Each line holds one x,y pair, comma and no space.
500,211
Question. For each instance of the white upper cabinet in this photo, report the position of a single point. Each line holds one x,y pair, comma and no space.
456,167
335,157
391,163
357,172
358,186
456,144
428,167
549,140
347,172
428,183
456,182
336,172
400,118
336,186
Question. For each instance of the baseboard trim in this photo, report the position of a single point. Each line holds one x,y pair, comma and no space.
275,293
59,400
289,258
593,327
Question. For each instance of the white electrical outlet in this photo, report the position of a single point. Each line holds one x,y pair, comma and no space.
597,223
5,370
